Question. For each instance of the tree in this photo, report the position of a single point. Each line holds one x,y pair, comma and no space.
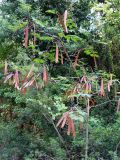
50,55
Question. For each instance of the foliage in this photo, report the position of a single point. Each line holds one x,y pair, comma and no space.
74,80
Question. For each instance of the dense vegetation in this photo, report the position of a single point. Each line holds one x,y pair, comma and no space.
59,80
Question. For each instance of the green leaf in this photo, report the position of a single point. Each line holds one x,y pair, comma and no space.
39,61
51,11
44,38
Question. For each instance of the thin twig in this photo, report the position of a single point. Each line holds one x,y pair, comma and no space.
51,121
61,138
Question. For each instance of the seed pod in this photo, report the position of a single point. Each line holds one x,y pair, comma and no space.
73,129
69,126
8,77
16,80
6,68
66,119
62,59
83,79
102,92
57,54
65,21
34,40
30,72
76,60
26,33
110,83
45,75
118,106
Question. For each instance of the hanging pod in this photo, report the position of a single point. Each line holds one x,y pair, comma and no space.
45,75
63,20
102,91
57,54
66,119
26,34
6,68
